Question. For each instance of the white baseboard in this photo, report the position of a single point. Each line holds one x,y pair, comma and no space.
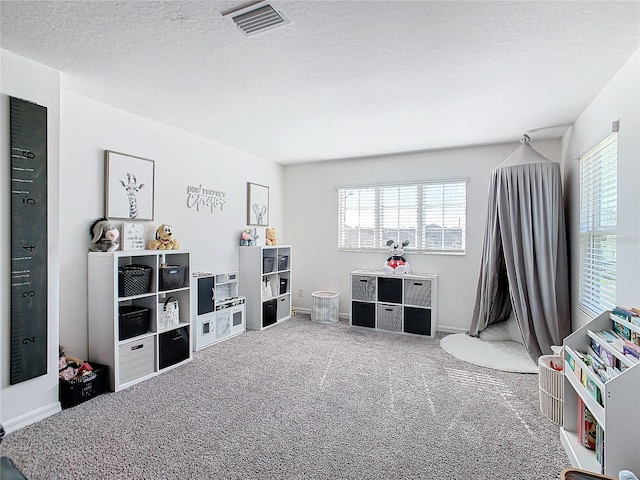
31,417
307,311
445,329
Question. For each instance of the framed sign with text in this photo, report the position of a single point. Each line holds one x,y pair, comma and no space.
132,236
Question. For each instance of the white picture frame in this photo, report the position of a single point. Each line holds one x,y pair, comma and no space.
257,204
132,236
129,187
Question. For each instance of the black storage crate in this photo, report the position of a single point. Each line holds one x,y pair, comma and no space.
172,277
134,280
174,347
390,290
417,320
363,314
78,390
283,285
132,321
267,264
269,312
283,262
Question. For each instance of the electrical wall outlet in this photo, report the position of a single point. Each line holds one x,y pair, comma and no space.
301,292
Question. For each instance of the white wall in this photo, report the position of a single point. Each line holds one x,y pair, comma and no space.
80,130
88,128
37,398
311,213
619,100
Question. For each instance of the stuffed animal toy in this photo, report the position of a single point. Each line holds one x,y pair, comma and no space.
396,263
164,239
248,238
271,238
70,367
104,236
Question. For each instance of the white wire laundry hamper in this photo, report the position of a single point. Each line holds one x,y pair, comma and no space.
550,383
324,307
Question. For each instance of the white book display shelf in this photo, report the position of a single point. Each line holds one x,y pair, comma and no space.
617,410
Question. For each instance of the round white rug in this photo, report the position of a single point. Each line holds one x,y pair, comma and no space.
509,356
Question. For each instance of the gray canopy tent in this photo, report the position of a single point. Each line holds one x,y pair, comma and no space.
524,266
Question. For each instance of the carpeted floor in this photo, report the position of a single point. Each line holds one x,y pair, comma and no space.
305,401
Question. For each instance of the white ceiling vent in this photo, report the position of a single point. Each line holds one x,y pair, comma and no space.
256,17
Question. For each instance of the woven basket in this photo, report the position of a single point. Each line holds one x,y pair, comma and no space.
550,383
134,280
172,277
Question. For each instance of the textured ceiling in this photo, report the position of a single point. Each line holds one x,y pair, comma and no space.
345,78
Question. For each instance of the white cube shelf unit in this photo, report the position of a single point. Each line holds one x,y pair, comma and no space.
266,284
153,348
219,313
394,303
617,411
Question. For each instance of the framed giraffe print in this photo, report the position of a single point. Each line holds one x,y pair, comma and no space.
129,186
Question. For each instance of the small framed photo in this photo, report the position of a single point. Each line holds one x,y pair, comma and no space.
257,204
129,186
132,237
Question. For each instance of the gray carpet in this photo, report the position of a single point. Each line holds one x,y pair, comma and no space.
304,401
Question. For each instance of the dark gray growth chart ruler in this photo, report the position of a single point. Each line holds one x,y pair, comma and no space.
28,145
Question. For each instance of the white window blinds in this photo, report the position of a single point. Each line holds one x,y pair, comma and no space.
431,215
598,226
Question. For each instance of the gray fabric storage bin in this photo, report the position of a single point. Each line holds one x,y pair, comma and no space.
417,292
363,287
137,359
390,317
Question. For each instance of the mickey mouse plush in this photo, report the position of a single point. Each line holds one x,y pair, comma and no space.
396,263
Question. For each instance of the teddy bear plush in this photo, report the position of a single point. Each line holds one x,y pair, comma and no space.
396,263
271,238
164,239
104,236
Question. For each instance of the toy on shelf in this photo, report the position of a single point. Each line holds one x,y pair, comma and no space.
164,239
396,263
271,238
104,236
70,367
248,237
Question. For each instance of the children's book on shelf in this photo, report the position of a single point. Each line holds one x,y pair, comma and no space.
600,445
587,427
580,422
611,365
622,330
631,315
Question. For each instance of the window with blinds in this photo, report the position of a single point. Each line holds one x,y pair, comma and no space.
598,226
431,215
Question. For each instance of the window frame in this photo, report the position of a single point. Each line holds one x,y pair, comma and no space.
419,246
597,237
